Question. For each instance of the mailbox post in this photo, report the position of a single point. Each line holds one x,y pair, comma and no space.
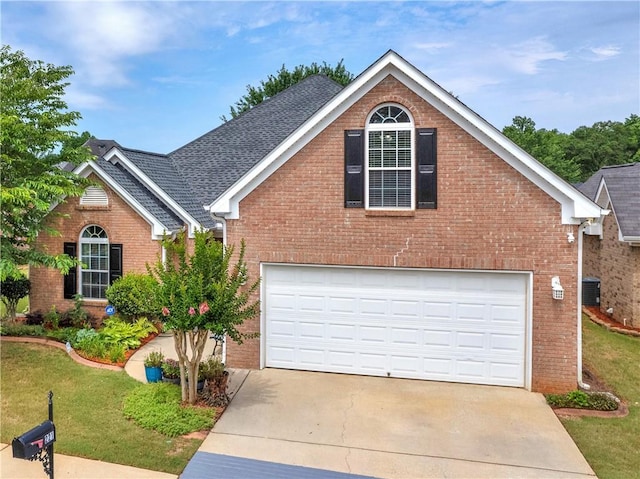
37,443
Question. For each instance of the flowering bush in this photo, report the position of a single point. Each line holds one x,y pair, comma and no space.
202,293
170,369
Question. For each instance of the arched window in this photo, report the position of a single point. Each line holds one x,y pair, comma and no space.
94,255
389,154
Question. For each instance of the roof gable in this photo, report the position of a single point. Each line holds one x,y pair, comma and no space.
149,183
620,185
575,207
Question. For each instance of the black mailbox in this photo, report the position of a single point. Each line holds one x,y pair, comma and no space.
34,440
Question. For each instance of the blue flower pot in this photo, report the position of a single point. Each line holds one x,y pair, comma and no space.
153,374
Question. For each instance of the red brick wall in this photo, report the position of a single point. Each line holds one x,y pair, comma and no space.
122,225
488,217
617,264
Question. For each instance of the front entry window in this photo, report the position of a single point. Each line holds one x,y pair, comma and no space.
94,255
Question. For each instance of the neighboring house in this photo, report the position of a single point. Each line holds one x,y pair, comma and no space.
612,250
396,232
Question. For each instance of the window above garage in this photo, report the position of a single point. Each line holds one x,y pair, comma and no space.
390,165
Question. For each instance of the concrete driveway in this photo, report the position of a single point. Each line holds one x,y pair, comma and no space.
385,428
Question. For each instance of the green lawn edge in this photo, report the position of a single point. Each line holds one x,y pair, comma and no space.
87,410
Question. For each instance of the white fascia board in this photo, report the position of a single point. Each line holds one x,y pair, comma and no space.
115,155
158,230
574,205
227,205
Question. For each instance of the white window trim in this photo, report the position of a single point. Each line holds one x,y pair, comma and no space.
397,127
82,241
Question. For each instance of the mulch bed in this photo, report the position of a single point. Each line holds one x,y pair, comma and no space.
127,354
604,320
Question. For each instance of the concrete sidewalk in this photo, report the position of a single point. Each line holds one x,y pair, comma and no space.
71,467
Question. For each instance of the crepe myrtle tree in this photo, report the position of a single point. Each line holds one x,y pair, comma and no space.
203,292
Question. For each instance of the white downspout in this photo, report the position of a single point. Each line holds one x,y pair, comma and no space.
220,219
581,229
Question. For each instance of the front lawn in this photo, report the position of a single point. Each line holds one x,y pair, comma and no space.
611,445
87,410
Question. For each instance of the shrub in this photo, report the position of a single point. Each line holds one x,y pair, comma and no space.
63,334
12,291
52,318
170,369
34,318
211,369
157,406
77,316
154,359
584,400
133,295
116,331
13,329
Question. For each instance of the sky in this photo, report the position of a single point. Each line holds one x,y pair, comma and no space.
156,75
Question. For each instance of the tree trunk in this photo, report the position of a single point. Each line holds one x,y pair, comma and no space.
196,339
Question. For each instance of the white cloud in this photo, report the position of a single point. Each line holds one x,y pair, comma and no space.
432,47
605,52
103,36
80,100
526,57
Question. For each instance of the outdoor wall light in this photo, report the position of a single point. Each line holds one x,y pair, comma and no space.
556,288
570,237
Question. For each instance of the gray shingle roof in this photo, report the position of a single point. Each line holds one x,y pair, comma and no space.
215,161
162,171
147,199
623,185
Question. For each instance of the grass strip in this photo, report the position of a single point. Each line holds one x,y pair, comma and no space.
88,410
611,445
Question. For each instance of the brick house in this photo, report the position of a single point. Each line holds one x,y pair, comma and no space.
612,247
396,232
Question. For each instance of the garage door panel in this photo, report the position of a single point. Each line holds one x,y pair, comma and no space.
451,326
342,332
373,334
471,341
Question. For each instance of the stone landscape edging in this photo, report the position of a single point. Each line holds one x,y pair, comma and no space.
622,411
629,331
56,344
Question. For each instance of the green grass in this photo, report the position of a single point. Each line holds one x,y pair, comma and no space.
87,410
611,445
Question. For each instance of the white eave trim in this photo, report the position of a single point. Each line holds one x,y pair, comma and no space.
575,206
158,230
115,155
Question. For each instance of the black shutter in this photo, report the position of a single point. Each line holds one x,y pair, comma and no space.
115,262
71,278
426,180
354,169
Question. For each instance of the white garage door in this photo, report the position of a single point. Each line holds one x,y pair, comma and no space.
439,325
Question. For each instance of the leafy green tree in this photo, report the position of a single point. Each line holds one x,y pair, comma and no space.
283,80
34,139
605,143
547,146
13,290
201,293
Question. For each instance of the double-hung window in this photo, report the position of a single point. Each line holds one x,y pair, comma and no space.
390,165
389,176
94,255
101,264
